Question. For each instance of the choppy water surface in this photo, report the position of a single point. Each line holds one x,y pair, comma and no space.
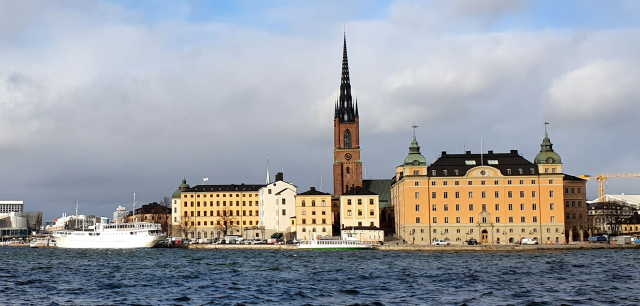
246,277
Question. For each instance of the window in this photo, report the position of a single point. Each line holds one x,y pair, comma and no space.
484,194
433,172
303,204
457,194
470,194
497,219
483,183
522,219
522,206
497,194
520,171
533,194
579,216
444,172
533,181
551,182
313,203
470,183
446,195
435,220
566,203
471,221
371,213
579,190
417,207
522,194
497,207
521,182
416,172
457,219
535,219
347,139
445,183
446,207
359,212
492,162
417,195
269,191
348,202
470,207
348,212
417,183
551,193
359,201
509,171
579,203
284,212
457,182
446,219
484,219
418,220
434,207
566,190
470,162
551,206
325,204
456,172
484,208
433,195
313,221
433,183
553,170
510,194
510,219
573,203
457,207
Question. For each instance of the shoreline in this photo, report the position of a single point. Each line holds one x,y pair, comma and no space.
430,248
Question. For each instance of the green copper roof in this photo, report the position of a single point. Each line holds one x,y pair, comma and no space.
181,188
547,155
414,157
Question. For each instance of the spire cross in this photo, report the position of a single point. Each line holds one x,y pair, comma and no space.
545,125
414,126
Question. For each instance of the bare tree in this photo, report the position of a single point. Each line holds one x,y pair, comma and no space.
161,215
186,226
225,222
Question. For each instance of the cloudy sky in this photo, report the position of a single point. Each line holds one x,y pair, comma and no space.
99,99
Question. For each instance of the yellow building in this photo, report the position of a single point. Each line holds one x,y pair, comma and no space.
493,198
360,214
204,209
313,214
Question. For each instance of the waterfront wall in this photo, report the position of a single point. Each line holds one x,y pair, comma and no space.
435,248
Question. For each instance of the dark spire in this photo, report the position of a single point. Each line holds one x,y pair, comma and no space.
356,107
345,111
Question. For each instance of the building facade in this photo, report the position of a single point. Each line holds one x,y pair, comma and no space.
313,214
347,167
207,211
576,221
360,215
277,202
493,197
11,206
176,208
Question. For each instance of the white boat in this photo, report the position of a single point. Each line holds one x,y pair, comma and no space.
349,243
43,242
107,235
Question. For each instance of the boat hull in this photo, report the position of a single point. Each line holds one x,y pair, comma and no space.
107,242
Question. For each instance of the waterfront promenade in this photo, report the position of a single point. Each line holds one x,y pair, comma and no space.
434,248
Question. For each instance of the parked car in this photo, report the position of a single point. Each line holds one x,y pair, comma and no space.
528,241
472,242
439,242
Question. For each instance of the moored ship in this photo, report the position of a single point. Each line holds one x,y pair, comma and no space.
349,243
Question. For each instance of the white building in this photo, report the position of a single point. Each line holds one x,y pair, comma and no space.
631,200
277,206
11,206
120,214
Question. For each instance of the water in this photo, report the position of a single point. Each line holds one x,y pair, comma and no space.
265,277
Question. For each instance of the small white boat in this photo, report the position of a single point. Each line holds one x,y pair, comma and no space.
43,242
350,243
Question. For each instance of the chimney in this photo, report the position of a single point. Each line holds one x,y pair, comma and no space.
279,177
468,152
515,152
490,152
444,153
313,188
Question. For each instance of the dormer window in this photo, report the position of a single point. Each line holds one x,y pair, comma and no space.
470,162
455,172
433,172
444,172
492,162
509,171
520,171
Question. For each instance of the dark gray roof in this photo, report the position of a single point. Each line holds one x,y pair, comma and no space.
568,177
505,161
218,188
359,191
313,191
382,188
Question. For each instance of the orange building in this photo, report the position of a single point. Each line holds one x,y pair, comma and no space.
493,197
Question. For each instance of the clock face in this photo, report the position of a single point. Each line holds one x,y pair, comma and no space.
348,156
482,172
549,160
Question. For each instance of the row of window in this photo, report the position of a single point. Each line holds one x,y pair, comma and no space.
483,183
313,221
224,195
359,201
313,203
458,231
473,162
574,216
523,219
573,203
218,223
534,206
483,194
224,203
224,212
573,190
313,213
304,229
371,212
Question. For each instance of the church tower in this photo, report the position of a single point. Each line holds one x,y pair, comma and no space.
347,167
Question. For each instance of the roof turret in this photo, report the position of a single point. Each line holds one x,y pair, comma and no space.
547,155
184,186
414,157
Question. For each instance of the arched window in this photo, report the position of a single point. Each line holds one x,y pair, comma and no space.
347,139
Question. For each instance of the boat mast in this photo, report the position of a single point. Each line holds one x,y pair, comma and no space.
133,217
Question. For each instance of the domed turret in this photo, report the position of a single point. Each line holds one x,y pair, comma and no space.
184,186
414,157
547,155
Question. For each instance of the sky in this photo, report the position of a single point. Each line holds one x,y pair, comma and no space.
101,99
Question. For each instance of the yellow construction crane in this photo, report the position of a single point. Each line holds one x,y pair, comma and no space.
603,176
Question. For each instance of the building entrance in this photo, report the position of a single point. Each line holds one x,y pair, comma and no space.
485,236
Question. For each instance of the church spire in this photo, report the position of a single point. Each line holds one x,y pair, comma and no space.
268,181
346,111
